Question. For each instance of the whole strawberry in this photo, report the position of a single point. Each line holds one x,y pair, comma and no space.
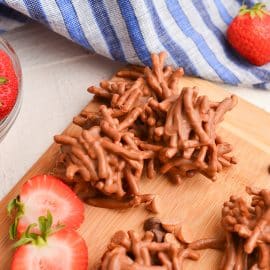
8,85
249,34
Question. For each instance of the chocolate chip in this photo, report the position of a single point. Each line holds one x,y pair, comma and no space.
152,224
158,235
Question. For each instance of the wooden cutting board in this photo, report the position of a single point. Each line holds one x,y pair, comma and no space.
197,201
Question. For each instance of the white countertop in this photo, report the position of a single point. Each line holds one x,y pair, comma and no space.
56,74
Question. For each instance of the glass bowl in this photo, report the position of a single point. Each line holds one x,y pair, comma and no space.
7,122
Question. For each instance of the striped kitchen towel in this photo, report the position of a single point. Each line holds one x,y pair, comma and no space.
10,19
191,31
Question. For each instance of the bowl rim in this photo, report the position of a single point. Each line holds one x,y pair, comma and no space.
7,122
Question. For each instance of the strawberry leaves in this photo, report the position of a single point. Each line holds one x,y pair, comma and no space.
26,237
44,224
15,206
38,239
259,9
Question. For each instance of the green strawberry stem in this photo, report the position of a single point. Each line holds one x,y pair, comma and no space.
38,239
259,9
3,80
16,206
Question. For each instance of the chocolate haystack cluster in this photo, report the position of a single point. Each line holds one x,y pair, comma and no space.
146,123
162,246
247,232
97,165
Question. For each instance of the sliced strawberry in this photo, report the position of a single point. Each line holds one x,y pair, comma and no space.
46,193
63,250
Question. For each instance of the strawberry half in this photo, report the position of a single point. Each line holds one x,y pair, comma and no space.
64,249
249,34
46,193
8,85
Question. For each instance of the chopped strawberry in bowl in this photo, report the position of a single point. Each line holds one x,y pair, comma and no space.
10,87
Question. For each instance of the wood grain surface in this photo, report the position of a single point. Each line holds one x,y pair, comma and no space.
197,202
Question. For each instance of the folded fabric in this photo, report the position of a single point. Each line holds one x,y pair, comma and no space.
10,19
193,32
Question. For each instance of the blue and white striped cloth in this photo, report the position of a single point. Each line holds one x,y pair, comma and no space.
193,32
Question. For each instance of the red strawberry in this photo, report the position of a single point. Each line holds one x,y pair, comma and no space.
249,34
46,193
8,85
64,249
